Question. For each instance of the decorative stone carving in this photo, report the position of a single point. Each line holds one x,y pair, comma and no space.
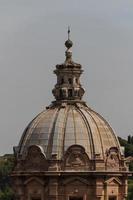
68,85
113,181
113,187
64,92
76,157
34,161
34,188
112,161
76,92
81,92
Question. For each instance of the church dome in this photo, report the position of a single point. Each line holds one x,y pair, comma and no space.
69,151
68,121
61,126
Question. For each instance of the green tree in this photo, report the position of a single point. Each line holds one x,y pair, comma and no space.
6,193
131,166
130,189
129,139
128,147
128,144
132,140
6,166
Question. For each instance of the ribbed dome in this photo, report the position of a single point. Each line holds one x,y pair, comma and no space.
59,127
69,151
68,121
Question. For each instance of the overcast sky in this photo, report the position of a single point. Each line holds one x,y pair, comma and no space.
32,36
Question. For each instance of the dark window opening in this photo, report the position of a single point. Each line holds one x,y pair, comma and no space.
35,198
70,80
62,80
76,93
77,80
75,198
61,93
112,198
70,92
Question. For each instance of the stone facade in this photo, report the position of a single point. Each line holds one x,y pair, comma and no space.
69,152
74,177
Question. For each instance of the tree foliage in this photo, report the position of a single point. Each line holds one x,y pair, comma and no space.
128,144
6,165
130,190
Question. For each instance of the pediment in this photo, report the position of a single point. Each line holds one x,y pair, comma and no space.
76,158
35,160
113,181
34,179
76,181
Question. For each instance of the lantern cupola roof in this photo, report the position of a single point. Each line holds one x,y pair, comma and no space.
68,86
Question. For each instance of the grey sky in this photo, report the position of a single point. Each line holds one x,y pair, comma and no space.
32,35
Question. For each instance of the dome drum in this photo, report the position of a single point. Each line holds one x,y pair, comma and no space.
75,159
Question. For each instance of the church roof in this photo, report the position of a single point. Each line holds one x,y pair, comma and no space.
69,121
59,127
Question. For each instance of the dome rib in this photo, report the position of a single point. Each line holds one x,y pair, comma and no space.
25,135
51,135
105,130
111,130
74,125
69,131
59,133
89,132
66,118
98,132
63,132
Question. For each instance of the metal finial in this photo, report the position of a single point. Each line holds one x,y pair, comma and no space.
68,43
68,32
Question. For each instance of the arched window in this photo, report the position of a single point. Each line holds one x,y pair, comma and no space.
77,80
70,92
62,80
70,80
61,93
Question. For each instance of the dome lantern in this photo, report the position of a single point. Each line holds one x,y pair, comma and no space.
68,86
